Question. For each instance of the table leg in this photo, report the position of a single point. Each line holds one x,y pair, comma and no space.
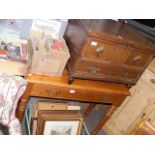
22,104
104,119
89,109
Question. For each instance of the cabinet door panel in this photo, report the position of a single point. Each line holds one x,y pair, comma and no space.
125,120
149,78
137,59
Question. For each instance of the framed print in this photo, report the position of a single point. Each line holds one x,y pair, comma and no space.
59,122
33,126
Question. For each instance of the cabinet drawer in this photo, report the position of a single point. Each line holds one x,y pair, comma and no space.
124,73
138,59
102,52
105,72
76,94
105,52
90,68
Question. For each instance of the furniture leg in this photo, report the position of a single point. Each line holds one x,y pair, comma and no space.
70,80
89,109
104,119
22,104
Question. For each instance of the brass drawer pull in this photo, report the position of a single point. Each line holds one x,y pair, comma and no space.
112,72
137,58
101,97
126,74
56,93
49,92
52,93
100,50
93,70
126,46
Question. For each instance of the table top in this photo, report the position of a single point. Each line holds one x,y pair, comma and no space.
78,84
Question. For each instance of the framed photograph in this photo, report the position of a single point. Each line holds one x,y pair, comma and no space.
59,122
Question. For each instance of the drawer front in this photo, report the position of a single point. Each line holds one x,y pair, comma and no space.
75,94
98,50
110,53
106,72
138,59
90,68
105,52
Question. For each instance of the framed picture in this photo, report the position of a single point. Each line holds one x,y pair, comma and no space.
59,122
33,126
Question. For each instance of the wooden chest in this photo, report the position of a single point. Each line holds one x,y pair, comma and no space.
107,50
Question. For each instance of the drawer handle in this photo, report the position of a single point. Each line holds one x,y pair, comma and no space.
102,98
137,58
152,81
100,51
126,74
56,93
94,70
125,46
112,72
50,93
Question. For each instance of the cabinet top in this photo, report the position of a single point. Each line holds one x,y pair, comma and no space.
117,32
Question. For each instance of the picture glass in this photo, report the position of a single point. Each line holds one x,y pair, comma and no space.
61,127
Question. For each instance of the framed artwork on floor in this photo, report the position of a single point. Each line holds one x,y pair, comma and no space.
33,126
66,122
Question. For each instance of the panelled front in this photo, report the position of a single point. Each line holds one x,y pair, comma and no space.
76,94
127,117
99,50
102,60
100,71
116,54
137,59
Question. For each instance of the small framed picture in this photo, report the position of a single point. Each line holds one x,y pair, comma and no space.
59,122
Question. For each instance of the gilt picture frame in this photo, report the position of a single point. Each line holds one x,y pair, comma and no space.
59,122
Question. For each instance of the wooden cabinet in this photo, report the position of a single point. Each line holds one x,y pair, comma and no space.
139,106
107,50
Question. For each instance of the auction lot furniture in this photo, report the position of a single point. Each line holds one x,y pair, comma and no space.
107,50
92,92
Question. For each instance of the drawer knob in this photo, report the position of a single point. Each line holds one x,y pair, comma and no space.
100,51
137,58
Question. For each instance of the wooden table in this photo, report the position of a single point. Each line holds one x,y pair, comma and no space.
92,92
